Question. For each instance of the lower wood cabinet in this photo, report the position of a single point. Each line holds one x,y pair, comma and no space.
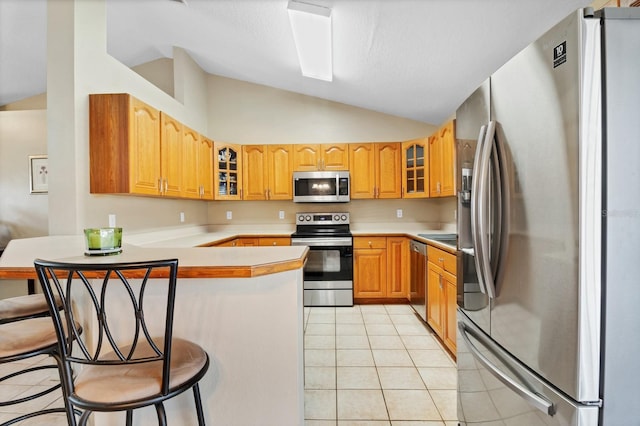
380,267
254,242
441,295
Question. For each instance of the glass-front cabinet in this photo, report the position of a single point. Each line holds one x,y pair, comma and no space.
415,169
228,172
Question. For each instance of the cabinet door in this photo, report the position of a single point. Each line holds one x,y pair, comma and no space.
363,171
447,139
254,172
306,157
205,168
280,167
442,162
435,165
398,267
227,171
335,156
434,298
171,155
415,169
370,272
388,170
144,149
190,178
451,306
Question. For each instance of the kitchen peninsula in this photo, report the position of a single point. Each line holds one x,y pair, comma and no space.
242,304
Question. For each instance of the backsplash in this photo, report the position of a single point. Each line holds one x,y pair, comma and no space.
437,211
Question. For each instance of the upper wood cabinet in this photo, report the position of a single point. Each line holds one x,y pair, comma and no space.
375,170
136,149
267,172
442,162
227,171
205,168
415,169
171,158
124,145
320,157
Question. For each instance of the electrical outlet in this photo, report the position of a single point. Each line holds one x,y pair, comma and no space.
399,213
112,221
281,214
229,215
181,216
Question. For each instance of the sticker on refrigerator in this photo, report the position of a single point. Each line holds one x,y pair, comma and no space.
560,54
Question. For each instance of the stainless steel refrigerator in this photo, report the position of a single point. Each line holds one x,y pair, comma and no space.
549,211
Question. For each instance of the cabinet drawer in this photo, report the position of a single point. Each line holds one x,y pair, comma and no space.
446,261
370,242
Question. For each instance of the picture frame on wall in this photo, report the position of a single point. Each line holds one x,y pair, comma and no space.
38,174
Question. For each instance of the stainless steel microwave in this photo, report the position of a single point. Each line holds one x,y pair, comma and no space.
321,187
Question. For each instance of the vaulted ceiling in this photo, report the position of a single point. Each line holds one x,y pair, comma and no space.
417,59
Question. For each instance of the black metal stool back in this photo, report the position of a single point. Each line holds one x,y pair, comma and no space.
126,357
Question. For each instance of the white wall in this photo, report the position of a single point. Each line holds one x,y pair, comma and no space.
22,214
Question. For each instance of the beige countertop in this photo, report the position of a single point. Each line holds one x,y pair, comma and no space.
183,243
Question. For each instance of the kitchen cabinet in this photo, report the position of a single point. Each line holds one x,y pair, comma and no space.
124,145
380,266
442,162
369,267
415,168
398,267
441,295
136,149
267,172
205,168
308,157
227,171
375,170
171,158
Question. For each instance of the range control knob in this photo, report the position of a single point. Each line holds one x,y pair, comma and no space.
343,217
336,217
307,217
301,218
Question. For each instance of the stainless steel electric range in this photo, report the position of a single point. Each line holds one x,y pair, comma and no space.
328,273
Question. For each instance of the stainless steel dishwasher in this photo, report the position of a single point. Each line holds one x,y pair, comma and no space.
418,279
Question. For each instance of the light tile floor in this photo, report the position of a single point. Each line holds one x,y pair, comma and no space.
375,365
370,365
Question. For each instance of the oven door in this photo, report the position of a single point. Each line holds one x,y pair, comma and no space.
328,272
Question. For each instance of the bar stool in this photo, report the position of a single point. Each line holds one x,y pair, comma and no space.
26,331
126,365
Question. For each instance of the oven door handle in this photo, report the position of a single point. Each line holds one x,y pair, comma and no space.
322,242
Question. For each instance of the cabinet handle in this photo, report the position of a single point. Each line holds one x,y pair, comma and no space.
441,259
440,281
160,185
370,244
275,244
166,185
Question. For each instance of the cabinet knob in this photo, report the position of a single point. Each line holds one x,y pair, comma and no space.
275,244
370,244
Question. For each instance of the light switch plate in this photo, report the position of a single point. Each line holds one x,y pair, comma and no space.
399,213
229,215
281,214
112,221
181,216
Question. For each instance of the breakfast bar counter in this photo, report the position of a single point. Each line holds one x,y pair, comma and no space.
243,305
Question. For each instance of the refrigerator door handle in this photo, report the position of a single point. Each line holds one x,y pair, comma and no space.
476,205
531,397
504,206
481,239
